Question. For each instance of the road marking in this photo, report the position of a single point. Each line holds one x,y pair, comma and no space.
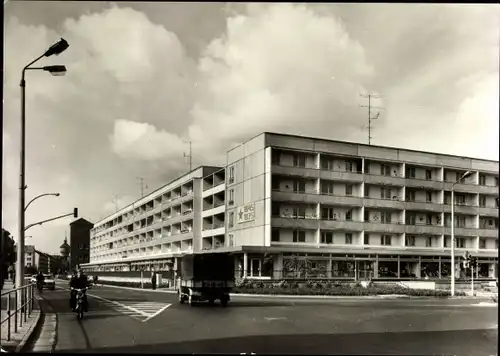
157,313
485,304
137,311
279,318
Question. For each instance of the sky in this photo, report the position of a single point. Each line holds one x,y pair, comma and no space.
144,79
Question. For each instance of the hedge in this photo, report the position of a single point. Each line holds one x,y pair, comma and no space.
314,288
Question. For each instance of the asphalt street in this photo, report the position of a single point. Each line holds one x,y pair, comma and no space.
123,321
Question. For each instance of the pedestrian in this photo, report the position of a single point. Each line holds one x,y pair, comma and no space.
153,280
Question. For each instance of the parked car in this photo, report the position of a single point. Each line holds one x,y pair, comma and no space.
49,282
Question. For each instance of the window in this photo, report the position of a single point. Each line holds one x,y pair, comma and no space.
496,244
460,199
299,160
367,216
428,174
231,197
385,170
460,221
275,209
496,181
327,188
482,243
348,166
386,217
410,172
482,201
326,237
482,180
348,190
299,187
428,219
231,240
348,215
385,193
327,214
385,240
275,235
367,191
299,212
366,239
367,167
428,241
275,158
410,241
410,219
275,184
230,223
410,196
428,196
327,163
299,236
460,242
348,239
231,174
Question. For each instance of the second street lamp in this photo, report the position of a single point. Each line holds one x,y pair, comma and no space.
465,175
55,49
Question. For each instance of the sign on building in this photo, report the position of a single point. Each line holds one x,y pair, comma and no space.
245,213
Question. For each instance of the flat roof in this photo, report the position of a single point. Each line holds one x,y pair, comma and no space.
156,190
360,144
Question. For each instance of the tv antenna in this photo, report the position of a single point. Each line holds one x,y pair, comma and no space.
190,156
370,117
115,201
143,185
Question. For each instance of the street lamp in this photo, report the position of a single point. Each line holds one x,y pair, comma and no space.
55,49
465,175
39,196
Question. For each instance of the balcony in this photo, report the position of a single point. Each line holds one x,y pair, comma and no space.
423,229
469,188
462,208
313,197
383,180
424,183
294,223
383,203
214,211
390,228
423,206
214,190
488,211
342,225
316,173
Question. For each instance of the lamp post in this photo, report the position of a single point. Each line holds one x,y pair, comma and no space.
55,49
465,175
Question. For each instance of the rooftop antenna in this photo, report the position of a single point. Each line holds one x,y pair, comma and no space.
370,117
115,200
143,185
190,156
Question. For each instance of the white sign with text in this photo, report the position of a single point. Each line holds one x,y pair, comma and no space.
245,213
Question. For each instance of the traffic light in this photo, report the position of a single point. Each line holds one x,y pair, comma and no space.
75,212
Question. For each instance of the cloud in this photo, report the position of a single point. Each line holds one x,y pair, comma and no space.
143,141
136,90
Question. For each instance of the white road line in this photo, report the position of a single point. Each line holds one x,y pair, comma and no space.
119,305
155,314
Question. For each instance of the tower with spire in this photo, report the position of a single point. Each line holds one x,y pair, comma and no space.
64,249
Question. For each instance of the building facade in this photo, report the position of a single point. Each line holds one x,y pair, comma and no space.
79,242
299,207
42,262
29,256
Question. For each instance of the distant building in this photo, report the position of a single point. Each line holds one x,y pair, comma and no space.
79,242
41,261
57,263
29,256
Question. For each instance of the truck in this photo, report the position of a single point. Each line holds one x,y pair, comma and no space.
205,277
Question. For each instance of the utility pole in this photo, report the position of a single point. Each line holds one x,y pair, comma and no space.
370,117
190,156
141,182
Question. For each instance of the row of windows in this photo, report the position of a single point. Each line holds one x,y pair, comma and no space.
385,240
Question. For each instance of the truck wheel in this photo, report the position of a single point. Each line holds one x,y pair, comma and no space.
224,301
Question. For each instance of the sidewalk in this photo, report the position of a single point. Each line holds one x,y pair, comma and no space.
17,339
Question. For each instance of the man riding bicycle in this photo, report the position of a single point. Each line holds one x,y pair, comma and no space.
40,279
78,281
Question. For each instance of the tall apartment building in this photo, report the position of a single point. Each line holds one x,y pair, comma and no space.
178,218
307,207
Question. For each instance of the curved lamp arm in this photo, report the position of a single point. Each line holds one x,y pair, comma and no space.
39,196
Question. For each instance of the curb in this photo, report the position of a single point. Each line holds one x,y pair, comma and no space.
47,331
33,327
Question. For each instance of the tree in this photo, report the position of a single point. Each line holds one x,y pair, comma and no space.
7,254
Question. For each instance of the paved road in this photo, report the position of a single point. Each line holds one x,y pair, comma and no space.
122,321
